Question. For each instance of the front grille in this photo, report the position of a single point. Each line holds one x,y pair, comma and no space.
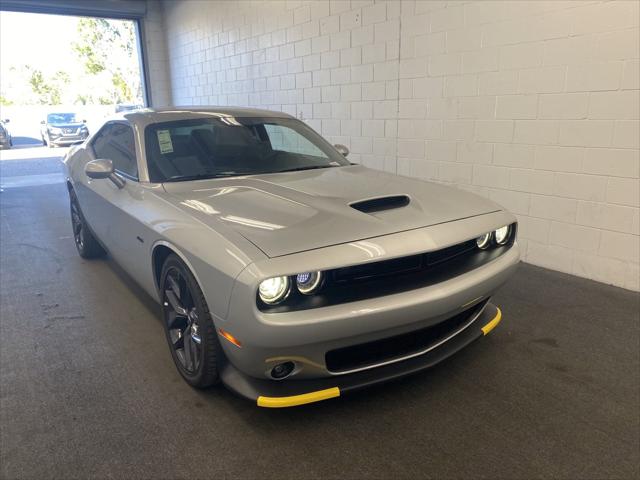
380,351
410,264
370,271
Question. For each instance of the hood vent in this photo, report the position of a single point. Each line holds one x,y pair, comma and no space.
382,203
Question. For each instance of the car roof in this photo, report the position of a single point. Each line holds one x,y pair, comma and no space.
148,116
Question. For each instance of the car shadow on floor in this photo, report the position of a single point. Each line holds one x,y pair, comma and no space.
25,142
146,300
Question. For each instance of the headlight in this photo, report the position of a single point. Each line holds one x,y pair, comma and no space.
484,241
502,235
55,130
308,282
274,290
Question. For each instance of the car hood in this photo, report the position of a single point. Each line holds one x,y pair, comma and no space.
292,212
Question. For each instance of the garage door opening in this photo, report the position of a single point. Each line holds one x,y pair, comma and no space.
62,76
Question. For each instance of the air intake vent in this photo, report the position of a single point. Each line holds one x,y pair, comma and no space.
380,204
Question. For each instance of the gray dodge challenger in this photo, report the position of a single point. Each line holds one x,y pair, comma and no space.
284,271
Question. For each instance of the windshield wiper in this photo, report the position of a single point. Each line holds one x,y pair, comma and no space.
199,176
311,167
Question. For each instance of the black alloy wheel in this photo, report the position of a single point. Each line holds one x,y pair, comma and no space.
188,325
76,225
86,243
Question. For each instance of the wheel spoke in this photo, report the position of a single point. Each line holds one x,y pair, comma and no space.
195,330
177,338
176,322
173,283
175,303
75,219
188,358
196,354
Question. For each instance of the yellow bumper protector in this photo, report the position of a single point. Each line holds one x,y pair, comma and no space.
493,323
295,400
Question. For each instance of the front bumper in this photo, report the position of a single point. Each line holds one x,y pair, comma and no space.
305,337
68,140
277,394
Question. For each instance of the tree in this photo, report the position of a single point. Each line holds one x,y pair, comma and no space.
48,90
107,48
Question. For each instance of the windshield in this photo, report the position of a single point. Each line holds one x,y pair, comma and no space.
230,146
61,118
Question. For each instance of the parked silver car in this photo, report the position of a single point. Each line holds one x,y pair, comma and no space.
284,271
61,129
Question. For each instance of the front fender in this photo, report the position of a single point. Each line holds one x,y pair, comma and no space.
214,260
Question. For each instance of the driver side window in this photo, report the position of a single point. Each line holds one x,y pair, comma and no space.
116,142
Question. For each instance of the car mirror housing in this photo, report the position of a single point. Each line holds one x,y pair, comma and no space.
101,169
42,122
342,149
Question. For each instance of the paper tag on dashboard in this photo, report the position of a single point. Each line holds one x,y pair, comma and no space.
164,141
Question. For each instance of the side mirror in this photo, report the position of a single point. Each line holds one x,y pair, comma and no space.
342,150
101,169
42,122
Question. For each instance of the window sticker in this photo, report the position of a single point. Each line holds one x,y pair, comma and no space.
164,141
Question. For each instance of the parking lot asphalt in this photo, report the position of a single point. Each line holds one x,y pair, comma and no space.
88,388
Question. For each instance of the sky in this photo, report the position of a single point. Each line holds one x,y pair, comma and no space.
45,42
42,41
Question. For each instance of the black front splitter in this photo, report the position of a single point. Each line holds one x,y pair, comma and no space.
275,394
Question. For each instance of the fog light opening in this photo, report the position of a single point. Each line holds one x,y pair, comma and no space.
282,370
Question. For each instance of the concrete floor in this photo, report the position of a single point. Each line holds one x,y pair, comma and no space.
88,388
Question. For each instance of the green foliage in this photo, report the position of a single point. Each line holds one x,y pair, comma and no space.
5,102
48,90
100,43
82,99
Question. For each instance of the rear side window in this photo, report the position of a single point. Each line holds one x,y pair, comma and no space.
116,142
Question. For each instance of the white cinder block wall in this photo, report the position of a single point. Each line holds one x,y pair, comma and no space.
533,104
156,55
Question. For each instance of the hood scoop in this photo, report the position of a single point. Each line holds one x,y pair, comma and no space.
381,204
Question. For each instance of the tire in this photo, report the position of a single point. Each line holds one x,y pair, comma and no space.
188,325
44,142
87,245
